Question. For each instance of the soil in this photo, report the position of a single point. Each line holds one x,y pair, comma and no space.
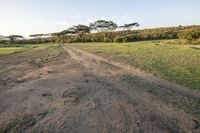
82,92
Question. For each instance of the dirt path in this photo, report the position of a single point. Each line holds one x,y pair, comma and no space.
80,92
88,60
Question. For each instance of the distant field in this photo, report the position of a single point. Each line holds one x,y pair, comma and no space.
10,50
177,63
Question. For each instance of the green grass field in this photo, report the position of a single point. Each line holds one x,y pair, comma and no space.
176,63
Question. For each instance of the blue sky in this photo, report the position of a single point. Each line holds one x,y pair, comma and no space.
43,16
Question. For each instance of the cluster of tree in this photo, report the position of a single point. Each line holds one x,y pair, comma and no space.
105,31
10,39
98,31
18,39
108,31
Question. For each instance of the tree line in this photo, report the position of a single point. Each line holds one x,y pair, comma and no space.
109,31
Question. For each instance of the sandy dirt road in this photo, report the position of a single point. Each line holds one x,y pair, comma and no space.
82,93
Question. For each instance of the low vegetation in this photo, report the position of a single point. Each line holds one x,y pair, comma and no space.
164,58
190,35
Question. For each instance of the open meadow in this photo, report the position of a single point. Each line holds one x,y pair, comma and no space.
174,62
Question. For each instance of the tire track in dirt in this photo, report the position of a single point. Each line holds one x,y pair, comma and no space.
170,93
86,59
110,69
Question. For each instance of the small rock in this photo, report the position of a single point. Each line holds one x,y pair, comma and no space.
20,80
49,71
46,94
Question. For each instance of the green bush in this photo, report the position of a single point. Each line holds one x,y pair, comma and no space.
189,35
125,39
133,37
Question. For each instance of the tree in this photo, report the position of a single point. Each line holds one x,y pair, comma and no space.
129,26
189,35
2,37
103,26
80,30
37,36
3,40
12,38
66,32
59,37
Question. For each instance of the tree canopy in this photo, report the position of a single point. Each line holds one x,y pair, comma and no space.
12,38
65,32
15,36
2,37
37,35
103,26
130,26
79,29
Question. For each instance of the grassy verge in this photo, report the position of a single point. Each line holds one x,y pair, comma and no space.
175,63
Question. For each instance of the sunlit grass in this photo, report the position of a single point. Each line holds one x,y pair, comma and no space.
173,62
10,50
